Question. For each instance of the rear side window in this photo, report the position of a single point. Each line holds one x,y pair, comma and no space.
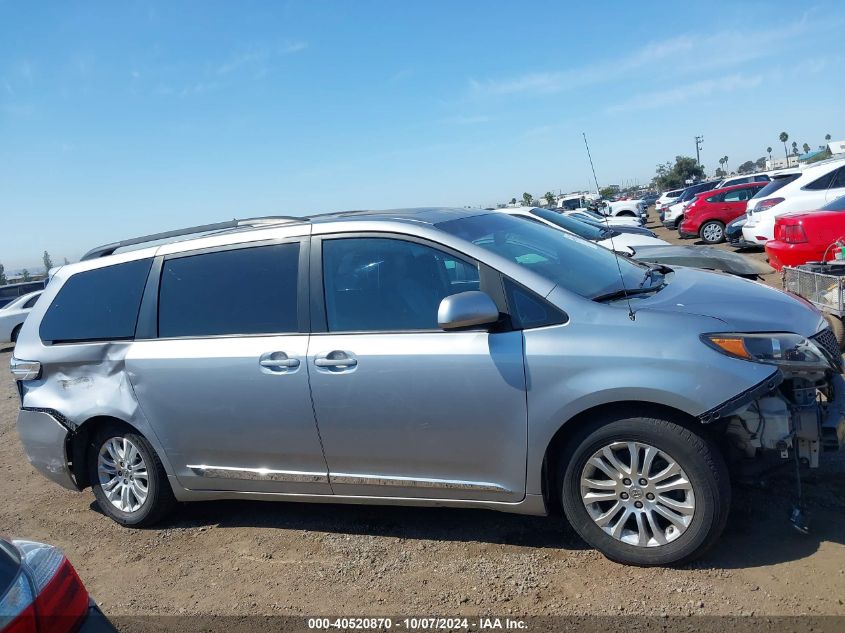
821,183
838,181
241,291
97,305
716,198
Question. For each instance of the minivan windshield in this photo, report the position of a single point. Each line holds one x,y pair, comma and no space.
571,262
774,184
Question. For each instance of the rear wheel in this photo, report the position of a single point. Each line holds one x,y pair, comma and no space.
712,232
645,491
15,333
127,477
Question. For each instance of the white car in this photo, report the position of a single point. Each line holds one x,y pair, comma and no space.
594,216
741,180
667,198
624,243
626,208
804,189
13,314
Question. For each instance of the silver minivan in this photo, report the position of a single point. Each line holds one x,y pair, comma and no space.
444,357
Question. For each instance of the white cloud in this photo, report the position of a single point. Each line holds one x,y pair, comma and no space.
680,94
681,55
258,57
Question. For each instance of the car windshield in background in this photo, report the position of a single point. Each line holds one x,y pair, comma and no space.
836,205
574,264
574,225
776,183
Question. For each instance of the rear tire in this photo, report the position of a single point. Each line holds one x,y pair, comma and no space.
127,477
15,333
712,232
651,532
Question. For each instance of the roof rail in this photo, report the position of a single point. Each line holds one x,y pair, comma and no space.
109,249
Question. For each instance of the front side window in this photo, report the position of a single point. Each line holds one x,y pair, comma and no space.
241,291
97,305
571,262
382,284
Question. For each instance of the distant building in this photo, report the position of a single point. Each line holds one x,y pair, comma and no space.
836,147
781,163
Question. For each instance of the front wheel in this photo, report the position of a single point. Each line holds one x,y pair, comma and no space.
128,478
645,491
713,232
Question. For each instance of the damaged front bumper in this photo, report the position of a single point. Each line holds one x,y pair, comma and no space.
788,412
44,439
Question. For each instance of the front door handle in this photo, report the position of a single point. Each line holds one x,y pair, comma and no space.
277,363
336,359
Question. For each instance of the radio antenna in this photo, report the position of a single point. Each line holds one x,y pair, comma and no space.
631,314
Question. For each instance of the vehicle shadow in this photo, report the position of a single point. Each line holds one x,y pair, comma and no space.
437,524
758,532
6,347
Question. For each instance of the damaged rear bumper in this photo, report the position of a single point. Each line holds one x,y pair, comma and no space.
44,439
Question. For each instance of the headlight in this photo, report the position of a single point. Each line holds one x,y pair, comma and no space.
778,348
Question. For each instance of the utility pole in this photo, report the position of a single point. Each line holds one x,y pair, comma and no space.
699,140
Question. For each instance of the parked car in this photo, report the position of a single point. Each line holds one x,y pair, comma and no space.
673,215
612,239
666,198
709,212
741,180
13,314
733,231
625,209
41,591
10,292
595,216
809,188
650,199
807,237
448,357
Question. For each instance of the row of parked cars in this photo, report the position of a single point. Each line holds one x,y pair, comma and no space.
793,213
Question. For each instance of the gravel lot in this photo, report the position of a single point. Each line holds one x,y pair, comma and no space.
254,557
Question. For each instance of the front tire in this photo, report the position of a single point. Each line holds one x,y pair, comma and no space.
128,479
644,490
712,232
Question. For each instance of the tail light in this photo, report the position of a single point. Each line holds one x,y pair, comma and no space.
24,369
47,596
766,204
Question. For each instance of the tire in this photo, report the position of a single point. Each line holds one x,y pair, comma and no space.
712,232
14,337
706,476
679,221
625,214
837,328
158,499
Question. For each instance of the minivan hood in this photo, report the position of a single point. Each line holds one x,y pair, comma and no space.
743,305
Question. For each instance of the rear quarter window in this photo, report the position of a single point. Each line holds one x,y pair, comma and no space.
97,305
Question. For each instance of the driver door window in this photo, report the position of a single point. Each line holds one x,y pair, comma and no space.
383,284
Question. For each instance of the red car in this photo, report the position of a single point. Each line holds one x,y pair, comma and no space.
709,212
807,236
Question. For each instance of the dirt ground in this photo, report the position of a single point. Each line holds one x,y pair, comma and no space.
262,558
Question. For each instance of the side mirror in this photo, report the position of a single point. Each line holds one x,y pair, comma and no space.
465,310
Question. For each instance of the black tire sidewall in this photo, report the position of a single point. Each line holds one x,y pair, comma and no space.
710,497
13,338
154,481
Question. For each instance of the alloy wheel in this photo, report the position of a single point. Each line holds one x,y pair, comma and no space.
637,493
123,474
712,233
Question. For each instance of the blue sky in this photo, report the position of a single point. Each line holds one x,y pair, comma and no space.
118,119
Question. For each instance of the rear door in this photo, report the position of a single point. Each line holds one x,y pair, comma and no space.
219,368
404,408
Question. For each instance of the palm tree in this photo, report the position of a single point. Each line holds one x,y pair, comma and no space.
827,137
769,150
726,163
527,199
784,137
550,198
806,148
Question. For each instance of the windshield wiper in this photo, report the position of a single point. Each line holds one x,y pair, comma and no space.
621,293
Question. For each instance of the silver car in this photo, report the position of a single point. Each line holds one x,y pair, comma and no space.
441,357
